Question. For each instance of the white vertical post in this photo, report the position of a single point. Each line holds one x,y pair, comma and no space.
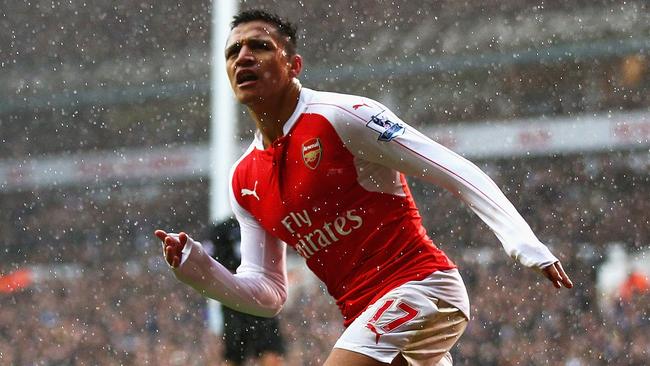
223,123
223,118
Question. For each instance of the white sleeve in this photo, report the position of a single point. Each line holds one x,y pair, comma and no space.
377,135
260,285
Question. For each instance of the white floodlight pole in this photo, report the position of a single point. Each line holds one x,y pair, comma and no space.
223,122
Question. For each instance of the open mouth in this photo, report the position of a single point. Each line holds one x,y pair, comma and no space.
246,77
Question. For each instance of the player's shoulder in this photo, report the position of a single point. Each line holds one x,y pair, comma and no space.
339,106
244,162
349,102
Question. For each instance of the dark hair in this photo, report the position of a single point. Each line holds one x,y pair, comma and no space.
283,26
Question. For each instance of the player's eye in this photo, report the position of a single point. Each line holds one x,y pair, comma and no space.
233,50
260,45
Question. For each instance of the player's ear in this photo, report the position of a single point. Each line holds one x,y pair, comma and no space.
295,65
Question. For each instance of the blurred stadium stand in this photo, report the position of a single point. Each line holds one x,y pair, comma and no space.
104,116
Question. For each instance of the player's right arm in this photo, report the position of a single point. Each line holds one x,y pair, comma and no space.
260,285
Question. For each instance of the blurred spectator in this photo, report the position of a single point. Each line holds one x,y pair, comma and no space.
246,337
637,284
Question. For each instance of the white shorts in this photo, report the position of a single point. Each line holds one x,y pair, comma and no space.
407,320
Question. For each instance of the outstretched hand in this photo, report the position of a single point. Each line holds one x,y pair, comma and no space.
172,246
555,273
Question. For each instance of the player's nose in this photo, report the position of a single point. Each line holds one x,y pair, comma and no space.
245,56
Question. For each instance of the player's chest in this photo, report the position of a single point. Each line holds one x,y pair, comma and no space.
308,172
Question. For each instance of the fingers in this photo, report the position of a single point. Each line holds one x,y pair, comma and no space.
173,245
160,234
172,258
566,281
555,273
173,250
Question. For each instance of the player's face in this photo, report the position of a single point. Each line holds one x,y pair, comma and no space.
257,64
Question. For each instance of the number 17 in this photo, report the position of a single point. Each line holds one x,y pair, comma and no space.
409,313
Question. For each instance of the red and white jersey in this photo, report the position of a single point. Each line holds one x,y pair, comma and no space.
333,189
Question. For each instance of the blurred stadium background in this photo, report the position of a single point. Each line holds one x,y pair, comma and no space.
104,131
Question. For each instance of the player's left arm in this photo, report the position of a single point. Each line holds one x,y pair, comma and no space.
376,134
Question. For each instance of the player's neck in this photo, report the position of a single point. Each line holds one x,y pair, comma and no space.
270,117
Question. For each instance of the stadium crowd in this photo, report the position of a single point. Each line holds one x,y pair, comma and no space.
130,82
119,305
